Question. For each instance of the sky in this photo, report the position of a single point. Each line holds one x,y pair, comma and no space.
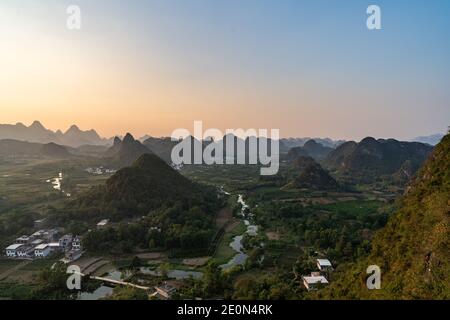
308,68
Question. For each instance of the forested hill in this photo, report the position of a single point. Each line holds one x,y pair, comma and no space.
149,206
147,185
413,249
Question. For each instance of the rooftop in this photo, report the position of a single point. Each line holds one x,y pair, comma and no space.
14,246
315,279
53,244
324,262
42,246
39,233
103,222
26,248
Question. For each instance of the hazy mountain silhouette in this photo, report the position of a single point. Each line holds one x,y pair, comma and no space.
312,149
432,139
36,132
16,148
125,152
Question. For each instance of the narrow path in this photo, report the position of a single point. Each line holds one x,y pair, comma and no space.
119,282
123,283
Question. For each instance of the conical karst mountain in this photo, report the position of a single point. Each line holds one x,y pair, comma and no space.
307,173
125,152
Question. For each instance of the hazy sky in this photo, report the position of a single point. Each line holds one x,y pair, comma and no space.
309,68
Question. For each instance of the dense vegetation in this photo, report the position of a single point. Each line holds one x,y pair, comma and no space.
373,160
176,229
341,231
151,206
413,250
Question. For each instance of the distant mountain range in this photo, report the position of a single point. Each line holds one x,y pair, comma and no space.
311,149
89,142
433,139
75,137
300,142
125,152
15,148
372,159
36,132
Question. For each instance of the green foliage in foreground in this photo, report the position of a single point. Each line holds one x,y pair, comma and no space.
16,291
128,293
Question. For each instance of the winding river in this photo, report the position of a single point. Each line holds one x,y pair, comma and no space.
236,244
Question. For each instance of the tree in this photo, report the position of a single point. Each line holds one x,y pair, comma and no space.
136,262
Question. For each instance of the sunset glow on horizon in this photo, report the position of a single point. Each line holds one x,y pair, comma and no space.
153,66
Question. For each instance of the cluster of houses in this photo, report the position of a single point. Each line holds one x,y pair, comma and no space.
318,278
43,243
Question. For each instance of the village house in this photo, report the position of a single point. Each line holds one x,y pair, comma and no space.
36,242
24,239
42,250
65,242
314,281
25,251
11,251
39,223
324,265
103,223
38,234
48,235
76,243
165,291
71,256
55,247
